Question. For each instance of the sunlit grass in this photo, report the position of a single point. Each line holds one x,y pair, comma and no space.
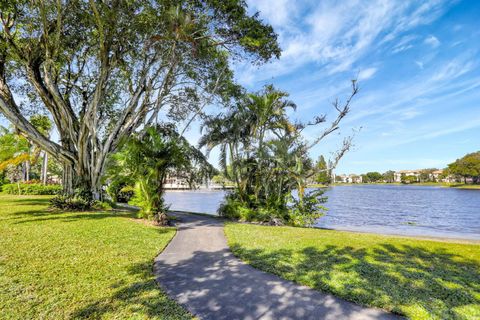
79,265
421,279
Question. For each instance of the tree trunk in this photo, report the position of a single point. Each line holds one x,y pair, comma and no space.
24,171
68,177
84,178
45,168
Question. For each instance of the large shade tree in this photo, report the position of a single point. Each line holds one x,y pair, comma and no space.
103,69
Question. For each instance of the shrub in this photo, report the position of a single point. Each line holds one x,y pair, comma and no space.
230,208
31,189
125,194
306,212
102,205
72,203
78,202
234,209
120,189
298,212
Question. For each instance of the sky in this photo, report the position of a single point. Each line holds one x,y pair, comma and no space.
418,68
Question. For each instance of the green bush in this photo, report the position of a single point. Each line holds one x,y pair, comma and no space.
125,194
234,209
230,208
304,212
120,189
102,205
71,203
79,203
31,189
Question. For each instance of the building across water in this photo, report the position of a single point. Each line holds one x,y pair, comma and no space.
402,176
181,183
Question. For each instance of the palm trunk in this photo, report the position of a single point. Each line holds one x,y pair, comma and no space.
44,168
27,170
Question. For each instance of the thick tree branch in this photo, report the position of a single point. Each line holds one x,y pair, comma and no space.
13,114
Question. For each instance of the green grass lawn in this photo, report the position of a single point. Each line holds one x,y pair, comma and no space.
467,186
79,265
421,279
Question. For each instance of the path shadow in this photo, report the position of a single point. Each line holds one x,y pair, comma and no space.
216,285
432,281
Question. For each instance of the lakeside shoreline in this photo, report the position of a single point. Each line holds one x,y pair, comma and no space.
448,239
422,184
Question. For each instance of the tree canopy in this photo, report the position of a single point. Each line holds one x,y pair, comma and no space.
103,69
466,167
323,173
372,177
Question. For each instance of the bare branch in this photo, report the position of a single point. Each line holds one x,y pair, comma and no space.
342,112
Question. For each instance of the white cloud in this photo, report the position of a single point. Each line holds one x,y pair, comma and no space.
366,74
336,35
432,41
277,12
454,69
408,113
397,49
420,64
404,43
439,131
426,88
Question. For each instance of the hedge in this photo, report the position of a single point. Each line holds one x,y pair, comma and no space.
32,189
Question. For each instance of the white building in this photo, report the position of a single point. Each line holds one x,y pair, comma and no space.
398,175
351,178
436,175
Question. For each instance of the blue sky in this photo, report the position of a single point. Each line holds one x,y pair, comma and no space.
418,66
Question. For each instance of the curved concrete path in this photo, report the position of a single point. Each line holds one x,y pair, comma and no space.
198,270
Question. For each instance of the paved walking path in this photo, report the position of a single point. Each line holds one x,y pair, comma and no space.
198,270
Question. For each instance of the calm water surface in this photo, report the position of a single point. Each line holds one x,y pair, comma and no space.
406,210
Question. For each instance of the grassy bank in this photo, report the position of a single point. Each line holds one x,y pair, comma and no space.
466,186
421,279
79,265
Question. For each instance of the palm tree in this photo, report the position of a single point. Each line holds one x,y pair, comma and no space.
243,135
148,158
265,155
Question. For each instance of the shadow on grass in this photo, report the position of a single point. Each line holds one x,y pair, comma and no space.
216,285
47,214
395,278
142,297
29,201
71,217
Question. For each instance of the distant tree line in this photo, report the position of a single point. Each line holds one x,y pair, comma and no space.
463,170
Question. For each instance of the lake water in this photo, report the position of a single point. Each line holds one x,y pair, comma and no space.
404,210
